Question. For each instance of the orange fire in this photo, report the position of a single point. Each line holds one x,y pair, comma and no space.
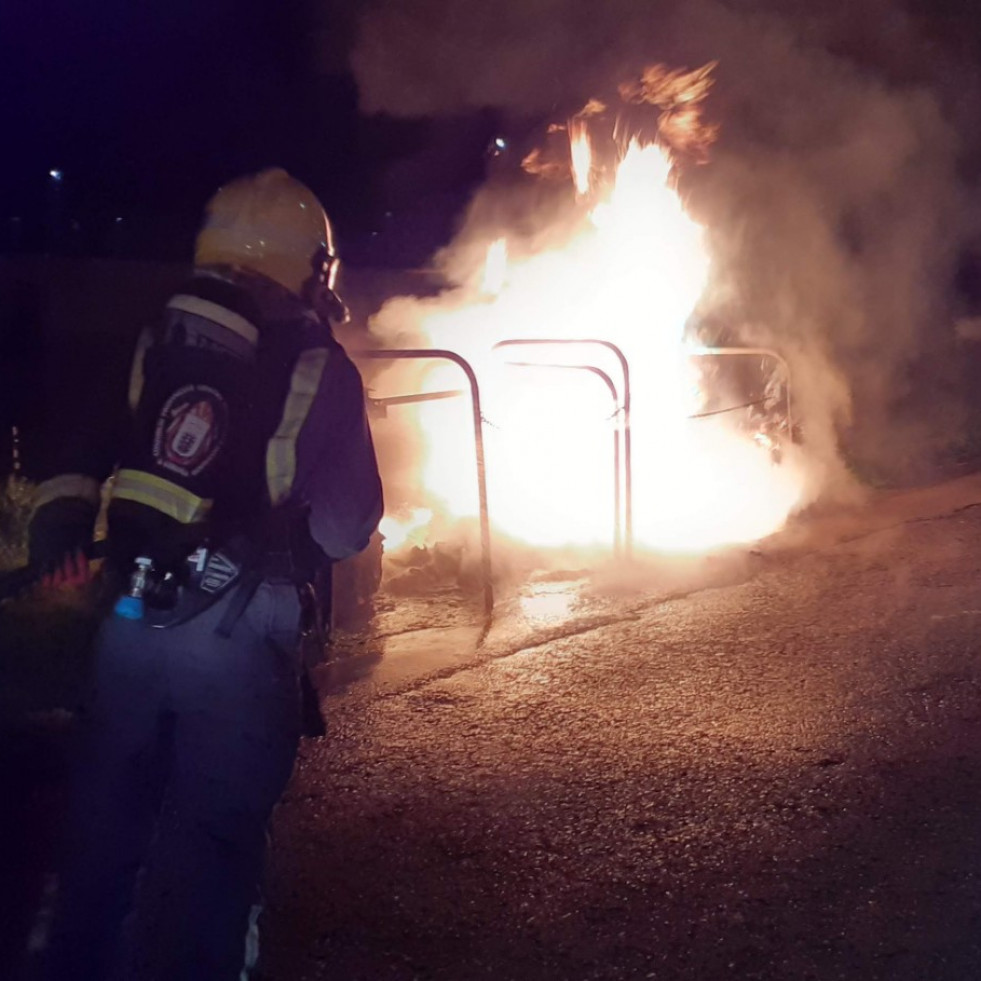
632,274
582,155
495,268
407,528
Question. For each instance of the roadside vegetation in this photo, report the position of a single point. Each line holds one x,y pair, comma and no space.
16,501
44,645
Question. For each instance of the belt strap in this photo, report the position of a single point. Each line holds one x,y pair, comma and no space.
241,598
225,567
246,570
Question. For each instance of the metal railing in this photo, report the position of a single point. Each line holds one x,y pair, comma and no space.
608,381
623,465
403,354
628,492
766,352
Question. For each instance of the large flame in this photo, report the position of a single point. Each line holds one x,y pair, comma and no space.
495,268
582,155
632,274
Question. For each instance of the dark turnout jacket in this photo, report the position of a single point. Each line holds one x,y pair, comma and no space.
309,447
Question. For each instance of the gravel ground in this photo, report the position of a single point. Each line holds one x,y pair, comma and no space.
773,779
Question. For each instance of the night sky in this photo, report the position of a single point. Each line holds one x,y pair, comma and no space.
843,197
145,108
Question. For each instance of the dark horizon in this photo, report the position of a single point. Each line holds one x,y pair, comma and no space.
144,110
125,121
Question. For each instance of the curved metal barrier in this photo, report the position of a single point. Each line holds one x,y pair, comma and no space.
623,466
628,492
767,352
401,354
604,377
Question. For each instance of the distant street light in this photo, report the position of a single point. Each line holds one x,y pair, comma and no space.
55,224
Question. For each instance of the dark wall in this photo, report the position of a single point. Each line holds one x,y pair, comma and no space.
67,329
68,326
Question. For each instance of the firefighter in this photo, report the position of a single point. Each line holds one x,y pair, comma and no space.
247,460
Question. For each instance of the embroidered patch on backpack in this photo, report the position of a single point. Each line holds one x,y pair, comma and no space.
191,430
218,573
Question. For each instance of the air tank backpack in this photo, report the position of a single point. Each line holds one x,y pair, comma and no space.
191,479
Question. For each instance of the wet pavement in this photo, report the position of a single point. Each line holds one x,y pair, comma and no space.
775,774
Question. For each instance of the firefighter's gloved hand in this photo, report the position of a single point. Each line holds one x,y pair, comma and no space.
66,586
58,530
73,572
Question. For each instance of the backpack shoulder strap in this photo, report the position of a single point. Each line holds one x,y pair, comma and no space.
309,362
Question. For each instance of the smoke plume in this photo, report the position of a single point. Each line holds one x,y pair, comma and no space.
834,196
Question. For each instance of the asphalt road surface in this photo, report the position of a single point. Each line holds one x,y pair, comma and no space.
778,778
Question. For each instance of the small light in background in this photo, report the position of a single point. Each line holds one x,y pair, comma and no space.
497,146
55,174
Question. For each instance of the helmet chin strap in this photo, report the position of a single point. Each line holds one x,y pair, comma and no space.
325,302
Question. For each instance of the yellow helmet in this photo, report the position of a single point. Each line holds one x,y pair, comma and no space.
271,224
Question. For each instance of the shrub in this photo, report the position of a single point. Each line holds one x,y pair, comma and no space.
16,502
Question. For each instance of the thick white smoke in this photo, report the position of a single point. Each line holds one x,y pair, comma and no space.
833,197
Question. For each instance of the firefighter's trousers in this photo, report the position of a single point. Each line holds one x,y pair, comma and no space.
189,746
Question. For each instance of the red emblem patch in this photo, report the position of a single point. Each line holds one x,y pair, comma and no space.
190,430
